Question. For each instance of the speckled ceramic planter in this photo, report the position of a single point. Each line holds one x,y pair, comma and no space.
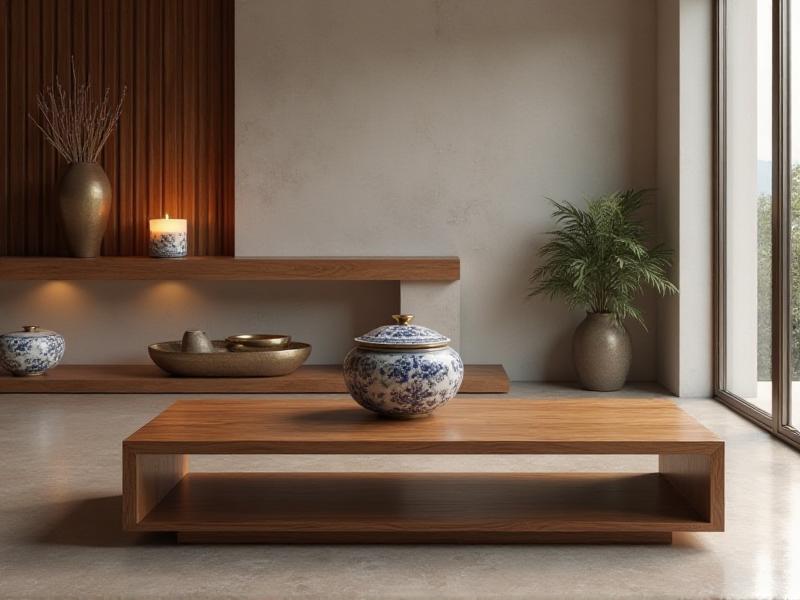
601,350
403,370
31,351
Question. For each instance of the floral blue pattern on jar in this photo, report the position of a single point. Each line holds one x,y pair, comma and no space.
31,351
383,374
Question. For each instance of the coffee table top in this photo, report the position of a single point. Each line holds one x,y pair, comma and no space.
463,426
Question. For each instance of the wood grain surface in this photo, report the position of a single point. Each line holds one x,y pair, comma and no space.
173,151
222,268
417,502
149,379
463,426
700,479
686,495
426,537
146,479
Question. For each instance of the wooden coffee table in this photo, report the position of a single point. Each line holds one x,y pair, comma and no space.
686,494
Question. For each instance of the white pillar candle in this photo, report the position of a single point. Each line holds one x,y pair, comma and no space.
167,237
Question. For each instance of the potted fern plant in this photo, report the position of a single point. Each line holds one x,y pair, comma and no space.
598,260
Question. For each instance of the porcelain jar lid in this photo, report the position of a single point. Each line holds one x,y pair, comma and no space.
30,331
402,336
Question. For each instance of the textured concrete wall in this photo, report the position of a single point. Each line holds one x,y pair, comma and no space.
741,203
380,127
668,119
697,200
114,322
685,126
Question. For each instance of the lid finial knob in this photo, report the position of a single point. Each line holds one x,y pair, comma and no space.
403,319
30,328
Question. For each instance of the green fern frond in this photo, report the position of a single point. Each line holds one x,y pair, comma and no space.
599,260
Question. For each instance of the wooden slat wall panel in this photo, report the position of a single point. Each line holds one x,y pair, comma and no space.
173,150
4,110
53,234
228,210
188,165
203,138
111,67
171,115
125,213
33,150
138,134
17,130
49,227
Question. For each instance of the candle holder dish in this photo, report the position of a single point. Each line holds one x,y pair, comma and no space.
223,363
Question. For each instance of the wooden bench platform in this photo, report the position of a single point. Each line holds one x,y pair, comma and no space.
686,494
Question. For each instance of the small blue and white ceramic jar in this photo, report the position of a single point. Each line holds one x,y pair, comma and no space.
31,351
403,370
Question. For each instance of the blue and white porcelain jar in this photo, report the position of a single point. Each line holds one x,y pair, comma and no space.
403,370
31,351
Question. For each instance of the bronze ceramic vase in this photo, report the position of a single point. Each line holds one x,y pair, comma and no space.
84,199
601,350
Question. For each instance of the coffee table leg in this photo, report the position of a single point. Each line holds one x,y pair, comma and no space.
700,479
146,479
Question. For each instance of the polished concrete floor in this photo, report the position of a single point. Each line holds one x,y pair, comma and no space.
60,532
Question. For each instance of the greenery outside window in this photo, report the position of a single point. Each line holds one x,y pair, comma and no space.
758,213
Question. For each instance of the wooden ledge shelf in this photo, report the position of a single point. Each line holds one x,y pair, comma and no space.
229,268
149,379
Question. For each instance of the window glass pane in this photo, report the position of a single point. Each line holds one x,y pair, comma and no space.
748,201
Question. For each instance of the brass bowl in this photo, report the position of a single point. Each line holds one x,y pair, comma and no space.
268,341
221,363
243,348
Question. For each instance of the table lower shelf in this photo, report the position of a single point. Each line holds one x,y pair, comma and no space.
423,507
149,379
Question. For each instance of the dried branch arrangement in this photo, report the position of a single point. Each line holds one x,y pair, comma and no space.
76,124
